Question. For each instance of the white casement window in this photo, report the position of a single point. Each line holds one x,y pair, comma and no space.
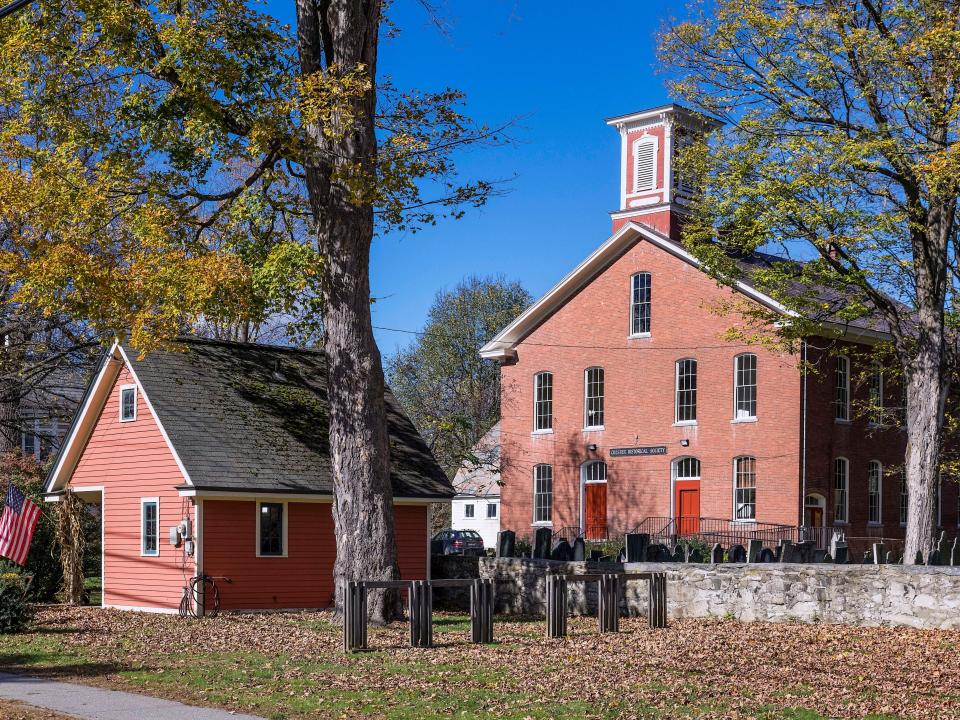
640,304
468,510
841,395
491,511
542,494
904,496
128,403
874,492
840,490
645,164
593,397
150,527
745,488
271,529
686,391
876,397
745,387
543,402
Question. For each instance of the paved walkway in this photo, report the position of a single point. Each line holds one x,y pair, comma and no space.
92,703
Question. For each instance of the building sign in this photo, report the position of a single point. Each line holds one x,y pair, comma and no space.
647,450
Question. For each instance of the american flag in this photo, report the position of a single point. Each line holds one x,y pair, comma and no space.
17,524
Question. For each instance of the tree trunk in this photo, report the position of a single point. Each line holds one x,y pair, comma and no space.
343,34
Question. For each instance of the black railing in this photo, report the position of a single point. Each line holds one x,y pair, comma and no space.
714,530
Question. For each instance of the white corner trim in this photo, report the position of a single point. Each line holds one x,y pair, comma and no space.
501,346
156,418
144,609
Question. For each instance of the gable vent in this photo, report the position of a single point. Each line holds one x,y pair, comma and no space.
645,157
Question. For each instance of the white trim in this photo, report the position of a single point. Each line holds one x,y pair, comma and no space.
143,502
870,522
122,389
645,139
536,378
733,514
198,536
673,480
145,609
284,522
756,386
533,487
846,491
501,346
677,422
603,398
623,167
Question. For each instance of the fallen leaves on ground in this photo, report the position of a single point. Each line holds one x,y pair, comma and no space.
13,710
281,665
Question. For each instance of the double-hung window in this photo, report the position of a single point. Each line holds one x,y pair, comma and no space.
491,510
876,397
150,526
542,494
745,488
840,490
468,510
271,530
640,304
745,387
841,393
686,391
543,402
874,492
593,397
128,403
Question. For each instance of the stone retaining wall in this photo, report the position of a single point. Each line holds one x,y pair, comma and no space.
918,596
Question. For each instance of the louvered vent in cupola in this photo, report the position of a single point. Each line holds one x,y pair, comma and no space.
645,159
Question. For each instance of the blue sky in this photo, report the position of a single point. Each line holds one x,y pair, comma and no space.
561,68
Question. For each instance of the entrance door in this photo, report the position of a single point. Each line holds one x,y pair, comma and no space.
595,510
688,506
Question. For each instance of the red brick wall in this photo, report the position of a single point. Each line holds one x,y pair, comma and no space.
304,578
591,329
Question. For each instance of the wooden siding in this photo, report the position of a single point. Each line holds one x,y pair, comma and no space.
304,578
131,460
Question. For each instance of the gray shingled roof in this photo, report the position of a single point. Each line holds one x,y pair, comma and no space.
254,418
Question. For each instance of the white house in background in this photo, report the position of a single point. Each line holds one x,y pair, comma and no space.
476,506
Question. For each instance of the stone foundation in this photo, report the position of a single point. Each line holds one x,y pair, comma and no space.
917,596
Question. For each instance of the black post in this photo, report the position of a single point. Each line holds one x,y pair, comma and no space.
354,617
657,600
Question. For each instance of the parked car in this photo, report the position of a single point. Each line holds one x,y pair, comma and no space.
457,542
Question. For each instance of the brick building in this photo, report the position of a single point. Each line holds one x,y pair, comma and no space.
624,404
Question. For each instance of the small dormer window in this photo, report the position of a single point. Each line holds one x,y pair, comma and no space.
645,164
128,403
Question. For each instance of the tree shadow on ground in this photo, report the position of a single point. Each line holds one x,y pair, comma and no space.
26,664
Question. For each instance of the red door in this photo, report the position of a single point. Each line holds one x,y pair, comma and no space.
595,511
688,506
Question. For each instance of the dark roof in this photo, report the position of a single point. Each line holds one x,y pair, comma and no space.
253,417
480,475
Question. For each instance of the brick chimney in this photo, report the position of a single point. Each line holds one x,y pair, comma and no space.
651,192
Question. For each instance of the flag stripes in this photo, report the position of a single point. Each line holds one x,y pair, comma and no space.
19,520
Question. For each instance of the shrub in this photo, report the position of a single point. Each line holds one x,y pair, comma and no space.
14,608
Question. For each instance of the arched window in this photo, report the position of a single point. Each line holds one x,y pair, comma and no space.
686,385
840,490
542,494
874,494
645,164
543,401
745,387
640,304
593,397
687,468
745,488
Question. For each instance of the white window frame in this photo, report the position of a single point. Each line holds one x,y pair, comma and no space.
123,389
601,396
676,391
496,511
536,493
472,514
846,491
285,521
736,387
736,488
875,464
633,304
876,410
655,175
536,402
845,361
144,501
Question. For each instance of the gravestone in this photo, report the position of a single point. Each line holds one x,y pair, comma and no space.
787,551
934,558
658,553
827,558
879,554
562,551
694,556
637,544
753,550
837,538
867,557
806,548
767,556
506,543
841,551
955,552
918,560
891,558
818,555
737,554
579,550
595,555
678,554
716,555
542,539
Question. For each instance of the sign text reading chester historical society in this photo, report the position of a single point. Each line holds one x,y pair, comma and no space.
648,450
